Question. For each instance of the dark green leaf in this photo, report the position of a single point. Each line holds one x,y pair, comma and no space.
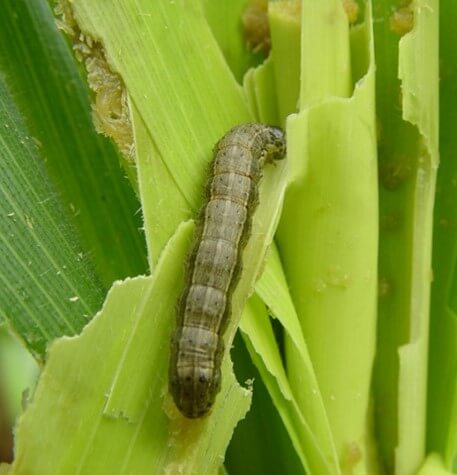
49,91
47,287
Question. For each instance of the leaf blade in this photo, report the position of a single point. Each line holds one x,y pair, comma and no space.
48,287
47,87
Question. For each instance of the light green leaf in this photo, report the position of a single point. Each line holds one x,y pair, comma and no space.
327,237
101,405
260,87
285,28
18,373
4,469
420,103
225,20
433,465
325,71
310,429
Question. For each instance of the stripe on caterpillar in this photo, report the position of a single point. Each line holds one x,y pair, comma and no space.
214,263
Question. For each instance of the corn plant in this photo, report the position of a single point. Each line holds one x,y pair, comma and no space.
345,358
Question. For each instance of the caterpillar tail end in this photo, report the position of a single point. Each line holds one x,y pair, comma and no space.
194,391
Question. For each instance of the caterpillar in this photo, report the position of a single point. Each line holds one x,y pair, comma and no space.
214,264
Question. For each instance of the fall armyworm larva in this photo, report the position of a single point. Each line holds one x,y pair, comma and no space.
214,264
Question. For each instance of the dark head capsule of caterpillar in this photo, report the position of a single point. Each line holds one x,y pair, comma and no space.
275,147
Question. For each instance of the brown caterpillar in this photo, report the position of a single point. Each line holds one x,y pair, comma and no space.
215,262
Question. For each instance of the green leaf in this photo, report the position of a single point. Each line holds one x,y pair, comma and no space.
225,21
408,157
262,431
433,465
420,104
285,27
102,405
4,469
47,286
313,445
327,237
260,87
18,373
192,100
174,144
54,101
327,26
442,384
